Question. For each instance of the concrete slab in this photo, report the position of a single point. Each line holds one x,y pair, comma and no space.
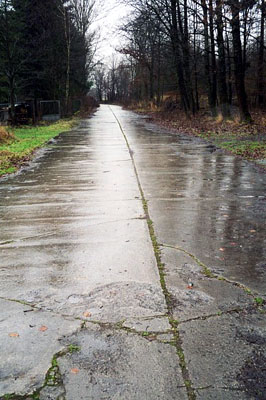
29,340
120,366
227,354
157,325
207,296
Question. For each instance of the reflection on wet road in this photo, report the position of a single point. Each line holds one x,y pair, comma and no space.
206,202
211,204
74,220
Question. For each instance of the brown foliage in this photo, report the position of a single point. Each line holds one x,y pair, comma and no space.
5,136
203,124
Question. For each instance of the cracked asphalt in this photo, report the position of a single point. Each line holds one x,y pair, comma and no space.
132,265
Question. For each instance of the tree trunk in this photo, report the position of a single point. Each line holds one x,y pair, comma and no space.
213,61
229,67
260,84
186,56
197,104
211,100
239,69
222,86
68,49
179,60
12,100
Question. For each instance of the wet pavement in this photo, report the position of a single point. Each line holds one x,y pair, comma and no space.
132,265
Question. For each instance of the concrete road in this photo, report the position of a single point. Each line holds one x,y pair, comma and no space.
132,267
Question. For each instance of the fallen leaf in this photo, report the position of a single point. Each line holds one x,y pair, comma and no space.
86,314
43,328
74,371
13,334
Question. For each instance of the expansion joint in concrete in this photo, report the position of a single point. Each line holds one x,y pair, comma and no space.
177,342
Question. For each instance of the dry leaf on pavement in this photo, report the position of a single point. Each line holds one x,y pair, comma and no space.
13,334
74,371
43,328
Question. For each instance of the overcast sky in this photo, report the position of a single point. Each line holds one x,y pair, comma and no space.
110,17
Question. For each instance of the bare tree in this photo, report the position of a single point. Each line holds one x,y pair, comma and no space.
239,66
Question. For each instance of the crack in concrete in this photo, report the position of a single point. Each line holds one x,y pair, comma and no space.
207,272
119,326
156,248
53,377
233,389
110,325
27,238
217,315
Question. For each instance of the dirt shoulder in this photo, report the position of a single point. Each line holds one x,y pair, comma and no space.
245,140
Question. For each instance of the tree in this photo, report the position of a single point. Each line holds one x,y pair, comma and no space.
222,85
239,66
33,36
261,77
10,51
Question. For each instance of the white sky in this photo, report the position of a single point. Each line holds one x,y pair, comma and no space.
110,16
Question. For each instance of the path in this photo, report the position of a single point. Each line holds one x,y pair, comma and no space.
100,240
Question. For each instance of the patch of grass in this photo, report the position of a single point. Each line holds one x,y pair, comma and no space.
251,150
23,141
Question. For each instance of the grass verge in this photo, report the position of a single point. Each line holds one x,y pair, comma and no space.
251,150
18,150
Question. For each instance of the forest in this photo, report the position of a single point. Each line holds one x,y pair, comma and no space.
186,55
205,54
46,51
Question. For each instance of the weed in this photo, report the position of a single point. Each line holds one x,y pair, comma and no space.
207,272
259,301
173,322
72,348
54,362
145,333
